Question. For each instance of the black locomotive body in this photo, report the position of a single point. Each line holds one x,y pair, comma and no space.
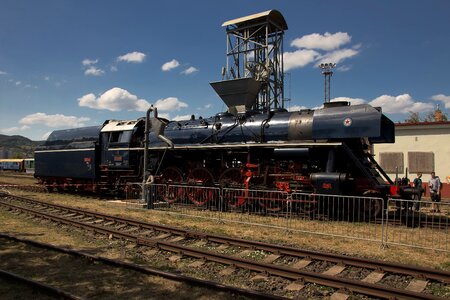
323,151
98,158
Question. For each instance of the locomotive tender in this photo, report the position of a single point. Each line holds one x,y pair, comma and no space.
256,144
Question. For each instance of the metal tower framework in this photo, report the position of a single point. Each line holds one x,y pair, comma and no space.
255,49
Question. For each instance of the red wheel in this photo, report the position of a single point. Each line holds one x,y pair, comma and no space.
233,179
169,176
305,203
199,179
273,201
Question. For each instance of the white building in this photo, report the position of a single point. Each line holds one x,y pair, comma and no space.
421,147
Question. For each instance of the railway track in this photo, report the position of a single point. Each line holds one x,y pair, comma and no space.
299,267
38,286
110,266
24,187
410,220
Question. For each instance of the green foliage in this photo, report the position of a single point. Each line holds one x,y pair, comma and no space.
414,117
18,146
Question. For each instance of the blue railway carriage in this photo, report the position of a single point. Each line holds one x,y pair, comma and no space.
11,164
17,164
96,158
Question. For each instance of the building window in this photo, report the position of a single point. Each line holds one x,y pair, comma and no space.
392,162
422,162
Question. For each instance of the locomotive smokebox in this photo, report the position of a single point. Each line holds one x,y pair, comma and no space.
238,94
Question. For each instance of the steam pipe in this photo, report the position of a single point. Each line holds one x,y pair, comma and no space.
146,142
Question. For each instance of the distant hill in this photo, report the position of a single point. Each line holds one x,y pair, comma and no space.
17,146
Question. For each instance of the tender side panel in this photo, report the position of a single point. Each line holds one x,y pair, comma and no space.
79,163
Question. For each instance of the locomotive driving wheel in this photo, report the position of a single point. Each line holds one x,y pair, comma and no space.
273,201
170,176
306,202
233,179
199,179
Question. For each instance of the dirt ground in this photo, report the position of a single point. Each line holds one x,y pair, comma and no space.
80,277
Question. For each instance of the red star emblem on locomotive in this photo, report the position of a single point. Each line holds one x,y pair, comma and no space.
347,122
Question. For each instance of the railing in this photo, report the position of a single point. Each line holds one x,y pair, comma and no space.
393,222
421,224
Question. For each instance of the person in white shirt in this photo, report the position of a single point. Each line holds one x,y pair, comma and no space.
434,184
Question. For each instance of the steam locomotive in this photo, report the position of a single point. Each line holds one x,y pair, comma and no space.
322,151
255,145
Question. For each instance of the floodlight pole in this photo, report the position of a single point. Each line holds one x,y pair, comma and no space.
327,73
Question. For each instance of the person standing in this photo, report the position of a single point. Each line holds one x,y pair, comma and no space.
419,190
434,184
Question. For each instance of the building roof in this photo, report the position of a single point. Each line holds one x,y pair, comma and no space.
273,16
423,125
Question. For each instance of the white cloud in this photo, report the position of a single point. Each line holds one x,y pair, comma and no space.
182,117
299,58
18,82
344,68
170,104
337,56
326,42
189,71
317,48
400,104
47,78
88,62
353,101
443,98
14,129
297,108
132,57
54,121
3,72
206,106
170,65
115,99
46,135
93,71
163,115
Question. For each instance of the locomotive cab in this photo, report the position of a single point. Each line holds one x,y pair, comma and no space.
117,139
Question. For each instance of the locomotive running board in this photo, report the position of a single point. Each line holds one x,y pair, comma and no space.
250,145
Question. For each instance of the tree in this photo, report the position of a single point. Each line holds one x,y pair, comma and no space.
414,117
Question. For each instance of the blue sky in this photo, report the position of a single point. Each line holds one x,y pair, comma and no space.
77,63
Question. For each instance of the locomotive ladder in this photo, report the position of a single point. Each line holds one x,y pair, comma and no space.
368,166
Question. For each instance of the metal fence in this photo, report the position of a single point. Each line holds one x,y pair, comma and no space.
364,218
421,224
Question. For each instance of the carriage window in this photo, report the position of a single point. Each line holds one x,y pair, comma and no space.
392,162
421,162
